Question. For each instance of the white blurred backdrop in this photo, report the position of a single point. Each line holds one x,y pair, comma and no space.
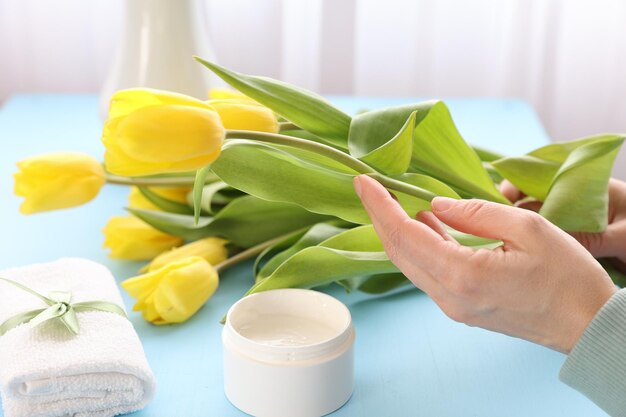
566,57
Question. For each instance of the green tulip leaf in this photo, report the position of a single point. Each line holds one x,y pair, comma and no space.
374,129
440,151
414,205
164,203
211,195
486,155
245,222
392,157
275,174
198,187
354,252
305,134
175,224
353,258
248,221
571,179
275,249
530,174
437,148
303,108
315,182
315,235
382,283
316,158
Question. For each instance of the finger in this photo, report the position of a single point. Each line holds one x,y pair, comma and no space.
593,242
388,217
510,191
609,243
532,205
409,244
382,209
430,220
484,218
617,200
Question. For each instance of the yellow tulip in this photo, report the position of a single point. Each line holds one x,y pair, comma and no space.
226,93
212,249
130,238
238,114
57,180
137,200
175,292
153,132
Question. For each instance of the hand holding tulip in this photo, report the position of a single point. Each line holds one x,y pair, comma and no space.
609,244
541,285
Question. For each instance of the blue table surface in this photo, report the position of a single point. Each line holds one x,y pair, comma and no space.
411,360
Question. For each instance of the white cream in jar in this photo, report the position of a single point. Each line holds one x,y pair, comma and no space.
288,352
286,330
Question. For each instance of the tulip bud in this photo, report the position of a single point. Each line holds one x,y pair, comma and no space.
175,292
131,239
238,114
57,180
154,132
211,249
227,93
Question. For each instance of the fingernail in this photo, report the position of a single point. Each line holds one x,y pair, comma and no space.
357,185
442,203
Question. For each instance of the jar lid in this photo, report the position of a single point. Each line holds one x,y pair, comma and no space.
289,325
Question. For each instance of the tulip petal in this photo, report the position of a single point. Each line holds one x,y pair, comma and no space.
184,290
212,249
127,101
140,287
132,239
245,115
160,139
57,180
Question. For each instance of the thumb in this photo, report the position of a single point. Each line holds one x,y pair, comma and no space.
483,218
610,243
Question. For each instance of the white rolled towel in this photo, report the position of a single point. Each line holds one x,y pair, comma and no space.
46,371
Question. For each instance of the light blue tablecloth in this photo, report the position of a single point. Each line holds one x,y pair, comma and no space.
411,360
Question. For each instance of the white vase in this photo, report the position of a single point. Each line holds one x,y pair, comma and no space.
156,49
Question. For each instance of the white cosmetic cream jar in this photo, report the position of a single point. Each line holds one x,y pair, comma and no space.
288,353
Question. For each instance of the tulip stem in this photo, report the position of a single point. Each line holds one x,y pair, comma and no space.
308,145
403,187
254,250
156,182
335,154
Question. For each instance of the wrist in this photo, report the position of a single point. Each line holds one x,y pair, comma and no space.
582,314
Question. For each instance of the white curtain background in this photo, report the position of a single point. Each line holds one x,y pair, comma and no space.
566,57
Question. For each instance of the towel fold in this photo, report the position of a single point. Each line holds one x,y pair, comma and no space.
46,371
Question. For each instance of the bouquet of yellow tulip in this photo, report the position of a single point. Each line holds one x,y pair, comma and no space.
267,173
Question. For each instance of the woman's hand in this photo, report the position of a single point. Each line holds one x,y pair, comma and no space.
609,244
541,285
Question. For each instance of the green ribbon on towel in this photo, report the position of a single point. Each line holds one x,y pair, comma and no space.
59,308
